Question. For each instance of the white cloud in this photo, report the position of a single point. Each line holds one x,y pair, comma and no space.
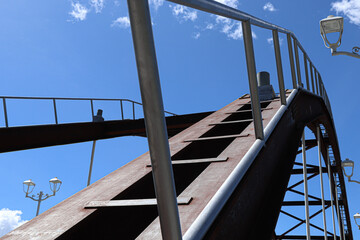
230,3
351,9
121,22
234,31
269,7
97,4
224,20
156,3
9,220
196,35
78,12
271,40
209,26
117,3
184,13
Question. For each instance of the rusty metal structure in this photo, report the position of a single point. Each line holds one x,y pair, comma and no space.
216,175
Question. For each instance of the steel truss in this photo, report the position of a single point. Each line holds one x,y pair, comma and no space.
336,202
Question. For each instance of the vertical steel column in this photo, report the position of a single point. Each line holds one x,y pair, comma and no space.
341,227
91,162
321,181
279,67
331,189
154,118
296,50
251,69
306,72
5,113
55,111
291,58
305,187
312,77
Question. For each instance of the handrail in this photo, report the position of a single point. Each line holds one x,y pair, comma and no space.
55,99
144,46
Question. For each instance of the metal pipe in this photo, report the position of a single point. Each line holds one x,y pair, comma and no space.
298,71
321,181
217,8
306,72
55,112
122,110
39,202
251,69
5,113
279,67
331,190
291,58
205,219
312,78
153,108
307,215
91,162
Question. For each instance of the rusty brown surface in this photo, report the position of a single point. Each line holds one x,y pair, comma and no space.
56,220
209,181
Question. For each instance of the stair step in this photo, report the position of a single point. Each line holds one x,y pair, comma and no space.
266,101
132,202
200,160
244,111
217,137
230,122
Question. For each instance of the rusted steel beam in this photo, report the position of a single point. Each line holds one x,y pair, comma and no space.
29,137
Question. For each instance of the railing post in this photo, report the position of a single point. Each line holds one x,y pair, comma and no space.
316,81
296,50
312,77
92,109
156,131
307,215
321,181
251,69
279,66
291,58
5,113
133,108
306,72
55,111
122,110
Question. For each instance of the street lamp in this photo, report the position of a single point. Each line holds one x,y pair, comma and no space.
356,217
28,187
333,24
348,165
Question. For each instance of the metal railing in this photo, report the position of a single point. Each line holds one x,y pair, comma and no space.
145,54
90,100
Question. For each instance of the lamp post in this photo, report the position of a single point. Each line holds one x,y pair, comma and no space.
356,217
333,24
28,187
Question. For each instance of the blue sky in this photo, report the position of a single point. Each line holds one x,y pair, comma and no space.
84,49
